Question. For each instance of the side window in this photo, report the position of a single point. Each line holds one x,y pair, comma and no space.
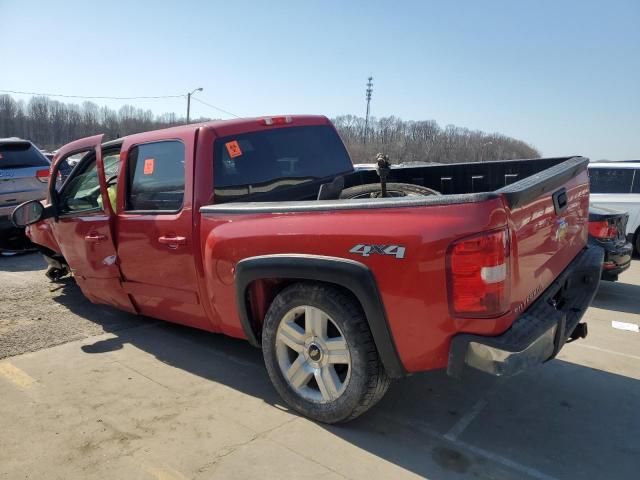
636,181
611,180
111,164
156,176
82,193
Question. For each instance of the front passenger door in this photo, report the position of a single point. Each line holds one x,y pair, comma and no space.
83,227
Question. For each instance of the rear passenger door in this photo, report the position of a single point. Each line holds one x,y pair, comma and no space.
155,228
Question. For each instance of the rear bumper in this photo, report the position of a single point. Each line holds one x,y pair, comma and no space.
617,258
541,331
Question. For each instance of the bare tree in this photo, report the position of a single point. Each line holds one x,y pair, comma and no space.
426,141
50,123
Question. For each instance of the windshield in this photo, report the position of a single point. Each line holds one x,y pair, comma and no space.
258,163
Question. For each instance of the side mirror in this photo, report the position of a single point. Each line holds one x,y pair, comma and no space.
27,213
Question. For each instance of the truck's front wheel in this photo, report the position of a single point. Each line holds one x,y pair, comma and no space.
320,354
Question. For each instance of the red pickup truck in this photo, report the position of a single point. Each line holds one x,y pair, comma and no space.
241,227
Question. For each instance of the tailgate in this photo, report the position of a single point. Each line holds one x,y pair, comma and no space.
549,214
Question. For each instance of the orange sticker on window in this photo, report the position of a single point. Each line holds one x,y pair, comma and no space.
233,148
149,164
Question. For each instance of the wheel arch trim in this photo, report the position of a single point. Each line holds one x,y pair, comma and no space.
354,276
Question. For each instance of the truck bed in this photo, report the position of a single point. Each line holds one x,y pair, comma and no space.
517,181
462,178
457,183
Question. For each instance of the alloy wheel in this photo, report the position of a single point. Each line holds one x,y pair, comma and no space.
313,354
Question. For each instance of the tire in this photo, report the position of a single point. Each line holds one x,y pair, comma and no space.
636,242
329,383
373,190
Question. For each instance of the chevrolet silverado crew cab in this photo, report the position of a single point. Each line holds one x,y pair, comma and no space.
261,229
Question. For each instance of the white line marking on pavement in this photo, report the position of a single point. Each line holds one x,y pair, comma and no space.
15,375
631,327
532,472
461,425
613,352
164,473
481,452
466,419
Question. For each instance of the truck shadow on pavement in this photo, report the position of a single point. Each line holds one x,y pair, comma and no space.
21,262
617,295
562,420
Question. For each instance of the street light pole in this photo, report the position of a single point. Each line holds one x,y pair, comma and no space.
189,102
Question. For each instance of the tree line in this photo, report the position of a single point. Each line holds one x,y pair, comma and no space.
425,141
50,124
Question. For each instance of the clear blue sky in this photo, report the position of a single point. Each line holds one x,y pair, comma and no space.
561,75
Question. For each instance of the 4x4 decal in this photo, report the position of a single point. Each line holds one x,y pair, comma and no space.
367,250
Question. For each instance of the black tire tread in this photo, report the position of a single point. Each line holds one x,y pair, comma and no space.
377,380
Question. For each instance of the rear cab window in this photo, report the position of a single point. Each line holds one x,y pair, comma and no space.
21,155
611,180
255,166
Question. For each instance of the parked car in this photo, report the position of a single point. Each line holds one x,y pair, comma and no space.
616,185
48,155
24,174
607,230
238,227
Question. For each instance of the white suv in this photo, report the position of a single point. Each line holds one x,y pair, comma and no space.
616,185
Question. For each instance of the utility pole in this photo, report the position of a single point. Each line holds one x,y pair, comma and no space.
366,118
482,150
189,101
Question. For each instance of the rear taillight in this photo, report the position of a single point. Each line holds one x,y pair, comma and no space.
275,120
603,230
42,175
478,271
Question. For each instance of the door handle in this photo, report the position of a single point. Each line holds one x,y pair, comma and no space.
95,238
172,240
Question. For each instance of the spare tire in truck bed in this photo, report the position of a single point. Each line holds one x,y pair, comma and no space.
373,190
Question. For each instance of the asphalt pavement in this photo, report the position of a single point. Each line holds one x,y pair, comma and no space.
90,392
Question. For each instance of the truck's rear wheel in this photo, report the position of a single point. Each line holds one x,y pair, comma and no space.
373,190
320,354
